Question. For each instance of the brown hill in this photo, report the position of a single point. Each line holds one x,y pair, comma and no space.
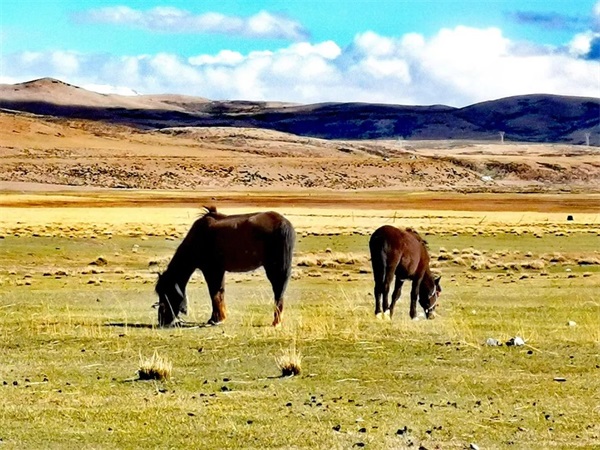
531,118
55,92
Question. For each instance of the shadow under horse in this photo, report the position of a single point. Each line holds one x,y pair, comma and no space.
403,254
219,243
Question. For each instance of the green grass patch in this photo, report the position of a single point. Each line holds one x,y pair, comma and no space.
70,353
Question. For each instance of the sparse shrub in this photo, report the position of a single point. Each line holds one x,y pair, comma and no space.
308,260
588,261
99,261
536,264
289,362
480,263
459,261
345,258
555,257
154,368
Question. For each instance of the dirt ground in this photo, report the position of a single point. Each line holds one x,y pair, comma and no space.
47,154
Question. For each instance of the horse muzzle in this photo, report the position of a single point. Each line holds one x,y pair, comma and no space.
430,314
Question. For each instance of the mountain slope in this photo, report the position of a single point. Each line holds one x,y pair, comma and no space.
529,118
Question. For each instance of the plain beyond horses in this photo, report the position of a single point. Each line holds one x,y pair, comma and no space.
403,254
218,243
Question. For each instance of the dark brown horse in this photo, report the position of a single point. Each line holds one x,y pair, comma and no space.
218,243
402,253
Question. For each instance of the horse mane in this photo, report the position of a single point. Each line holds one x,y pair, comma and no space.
208,210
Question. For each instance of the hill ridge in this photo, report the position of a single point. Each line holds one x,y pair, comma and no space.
537,117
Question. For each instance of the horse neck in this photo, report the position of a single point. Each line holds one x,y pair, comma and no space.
428,279
181,266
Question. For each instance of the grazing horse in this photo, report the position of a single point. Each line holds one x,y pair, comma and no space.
218,243
402,253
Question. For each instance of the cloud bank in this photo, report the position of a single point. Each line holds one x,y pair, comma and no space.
456,66
173,20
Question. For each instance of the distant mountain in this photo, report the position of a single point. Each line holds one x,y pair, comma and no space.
529,118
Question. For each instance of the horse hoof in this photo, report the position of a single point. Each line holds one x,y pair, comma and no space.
379,316
277,325
415,318
386,315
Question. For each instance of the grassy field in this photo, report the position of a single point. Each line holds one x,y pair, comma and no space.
76,321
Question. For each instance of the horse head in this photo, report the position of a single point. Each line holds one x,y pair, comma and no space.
171,300
429,294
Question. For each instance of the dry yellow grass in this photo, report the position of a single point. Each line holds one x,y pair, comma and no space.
155,368
289,361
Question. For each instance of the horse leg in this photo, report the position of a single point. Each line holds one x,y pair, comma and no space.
216,288
279,280
396,294
389,277
414,296
378,293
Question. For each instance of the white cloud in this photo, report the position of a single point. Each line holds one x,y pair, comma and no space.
581,44
224,57
596,16
108,89
458,66
370,43
173,20
66,63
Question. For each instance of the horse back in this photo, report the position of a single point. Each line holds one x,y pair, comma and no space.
401,250
243,242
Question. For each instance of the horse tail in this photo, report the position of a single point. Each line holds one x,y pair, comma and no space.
378,258
287,235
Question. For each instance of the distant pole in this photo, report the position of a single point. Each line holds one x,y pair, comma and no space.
501,133
587,139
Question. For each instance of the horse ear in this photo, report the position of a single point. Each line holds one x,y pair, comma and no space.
179,291
437,280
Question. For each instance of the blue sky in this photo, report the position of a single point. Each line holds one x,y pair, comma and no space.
407,52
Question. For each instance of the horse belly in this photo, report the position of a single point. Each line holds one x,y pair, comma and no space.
244,260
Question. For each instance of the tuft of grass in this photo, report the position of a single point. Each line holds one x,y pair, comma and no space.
155,368
536,264
289,362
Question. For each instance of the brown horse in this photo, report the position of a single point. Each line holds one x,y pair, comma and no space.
218,243
402,253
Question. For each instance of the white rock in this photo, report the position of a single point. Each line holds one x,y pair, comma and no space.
492,342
